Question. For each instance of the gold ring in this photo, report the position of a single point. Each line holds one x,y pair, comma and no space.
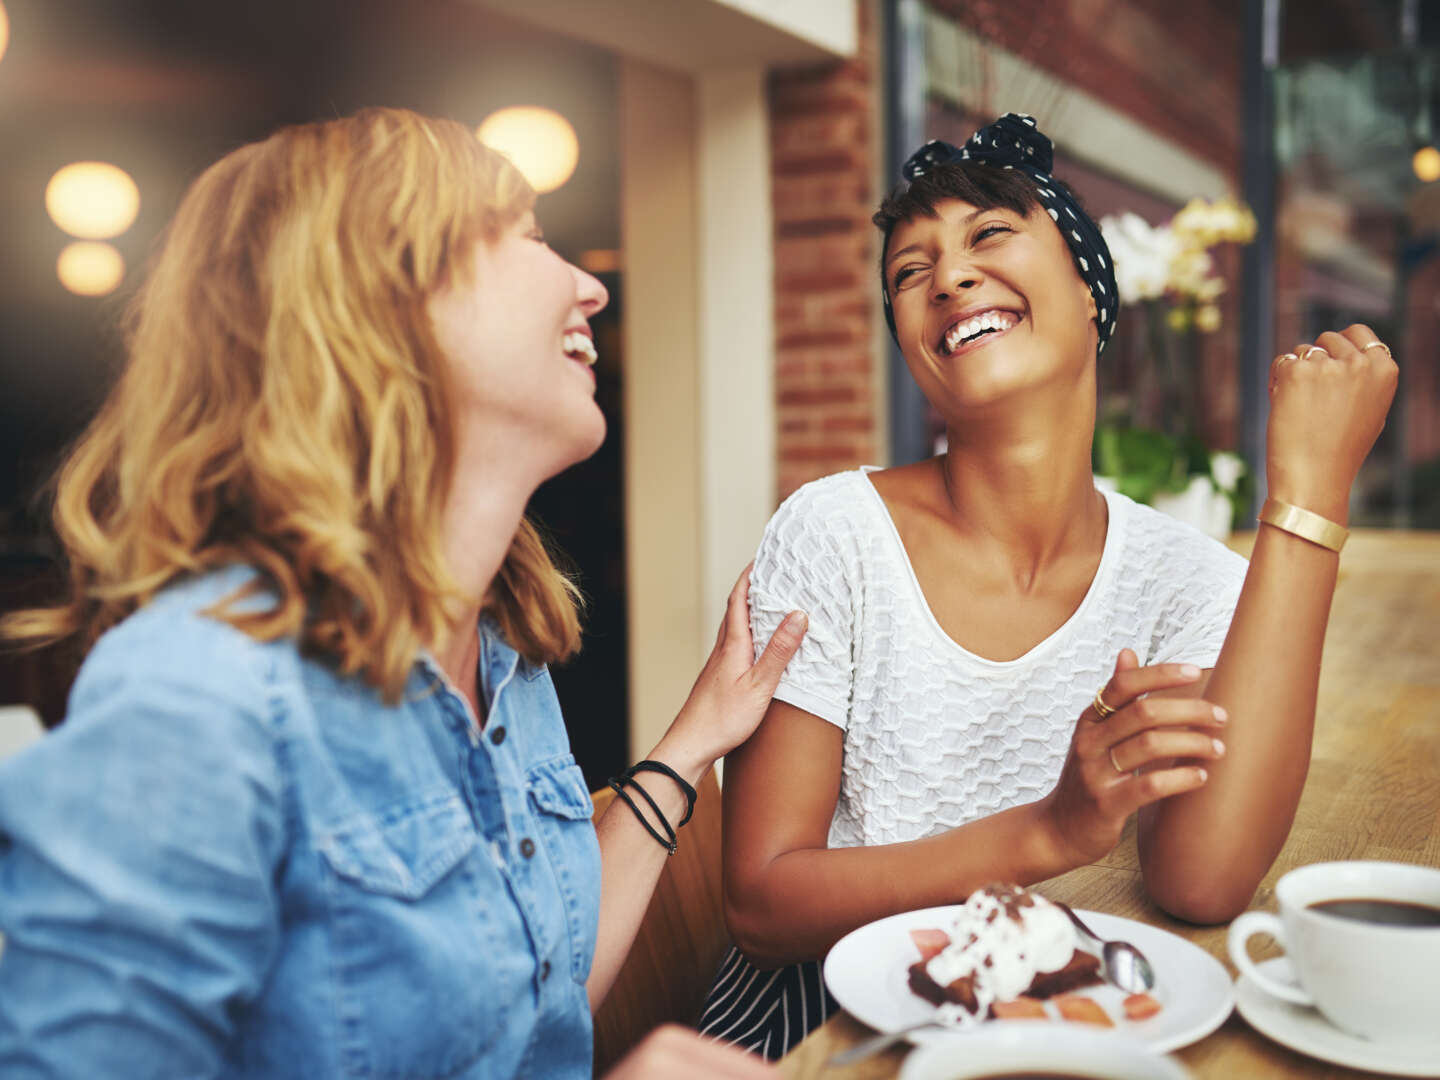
1311,349
1378,345
1102,710
1289,356
1114,762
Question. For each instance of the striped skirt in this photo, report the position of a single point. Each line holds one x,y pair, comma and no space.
765,1012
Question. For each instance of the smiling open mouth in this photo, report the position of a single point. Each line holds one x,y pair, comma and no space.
973,329
579,347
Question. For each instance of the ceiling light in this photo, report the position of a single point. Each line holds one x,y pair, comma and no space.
92,200
540,142
4,30
1426,164
599,261
88,268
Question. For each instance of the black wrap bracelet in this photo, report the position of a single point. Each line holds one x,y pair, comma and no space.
661,767
618,783
627,779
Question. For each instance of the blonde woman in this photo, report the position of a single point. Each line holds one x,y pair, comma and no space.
313,811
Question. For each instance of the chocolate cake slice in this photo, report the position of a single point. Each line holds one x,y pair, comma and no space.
1083,969
1004,943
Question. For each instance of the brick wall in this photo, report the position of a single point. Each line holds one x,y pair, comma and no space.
825,138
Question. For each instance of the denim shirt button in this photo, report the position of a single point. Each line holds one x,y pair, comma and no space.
497,735
527,847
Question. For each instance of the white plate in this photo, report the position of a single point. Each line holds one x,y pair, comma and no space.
868,969
1304,1029
1008,1049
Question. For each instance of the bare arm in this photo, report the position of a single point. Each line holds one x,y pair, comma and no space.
630,865
726,703
1203,854
788,897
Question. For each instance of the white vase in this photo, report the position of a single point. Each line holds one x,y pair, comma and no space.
1199,505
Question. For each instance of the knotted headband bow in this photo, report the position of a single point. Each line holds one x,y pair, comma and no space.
1013,142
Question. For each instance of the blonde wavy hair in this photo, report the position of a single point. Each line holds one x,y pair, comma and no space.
284,404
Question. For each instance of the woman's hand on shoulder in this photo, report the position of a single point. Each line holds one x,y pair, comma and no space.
1127,758
672,1051
733,690
1327,406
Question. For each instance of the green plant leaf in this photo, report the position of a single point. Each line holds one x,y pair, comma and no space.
1141,460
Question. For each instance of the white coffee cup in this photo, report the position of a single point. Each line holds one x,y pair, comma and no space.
1377,981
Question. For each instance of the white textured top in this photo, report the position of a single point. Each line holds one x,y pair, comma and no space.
936,736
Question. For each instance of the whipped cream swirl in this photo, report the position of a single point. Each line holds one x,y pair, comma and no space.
1003,936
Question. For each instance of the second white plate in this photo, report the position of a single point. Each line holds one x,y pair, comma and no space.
867,971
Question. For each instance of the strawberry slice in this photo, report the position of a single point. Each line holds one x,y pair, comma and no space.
1022,1008
1082,1010
929,942
1141,1006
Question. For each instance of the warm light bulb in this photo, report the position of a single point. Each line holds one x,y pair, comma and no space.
92,200
88,268
538,141
1426,164
4,30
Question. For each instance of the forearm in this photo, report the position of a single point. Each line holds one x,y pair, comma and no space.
803,901
728,699
631,861
1204,853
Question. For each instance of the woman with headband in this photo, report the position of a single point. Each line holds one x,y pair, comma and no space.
313,811
1003,662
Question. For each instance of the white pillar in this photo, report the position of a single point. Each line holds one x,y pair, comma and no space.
661,387
737,328
699,366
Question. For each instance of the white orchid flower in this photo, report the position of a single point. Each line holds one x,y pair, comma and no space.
1226,469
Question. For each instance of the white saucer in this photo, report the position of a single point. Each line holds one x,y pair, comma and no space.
1304,1029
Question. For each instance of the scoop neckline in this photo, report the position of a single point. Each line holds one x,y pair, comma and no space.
1114,536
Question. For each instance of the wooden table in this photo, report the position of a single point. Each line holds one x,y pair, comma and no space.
1373,792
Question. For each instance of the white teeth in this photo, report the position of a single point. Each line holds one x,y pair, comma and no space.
960,333
580,347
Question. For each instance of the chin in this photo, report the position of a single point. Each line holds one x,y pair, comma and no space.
583,445
973,392
993,382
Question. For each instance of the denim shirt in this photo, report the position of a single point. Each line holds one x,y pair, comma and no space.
231,861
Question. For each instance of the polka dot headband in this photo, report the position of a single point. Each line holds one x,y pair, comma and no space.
1013,142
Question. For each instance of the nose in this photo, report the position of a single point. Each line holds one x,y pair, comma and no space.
952,277
593,296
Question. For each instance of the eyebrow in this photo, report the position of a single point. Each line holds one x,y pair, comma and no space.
908,248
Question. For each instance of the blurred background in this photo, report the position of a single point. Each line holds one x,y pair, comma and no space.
1266,169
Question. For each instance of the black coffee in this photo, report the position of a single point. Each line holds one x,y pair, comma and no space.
1387,912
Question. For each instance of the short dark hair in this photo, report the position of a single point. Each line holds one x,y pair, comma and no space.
984,187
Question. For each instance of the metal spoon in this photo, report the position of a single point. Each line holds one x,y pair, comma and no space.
1123,965
876,1043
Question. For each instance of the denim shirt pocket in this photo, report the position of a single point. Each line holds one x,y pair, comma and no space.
402,853
557,789
406,910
